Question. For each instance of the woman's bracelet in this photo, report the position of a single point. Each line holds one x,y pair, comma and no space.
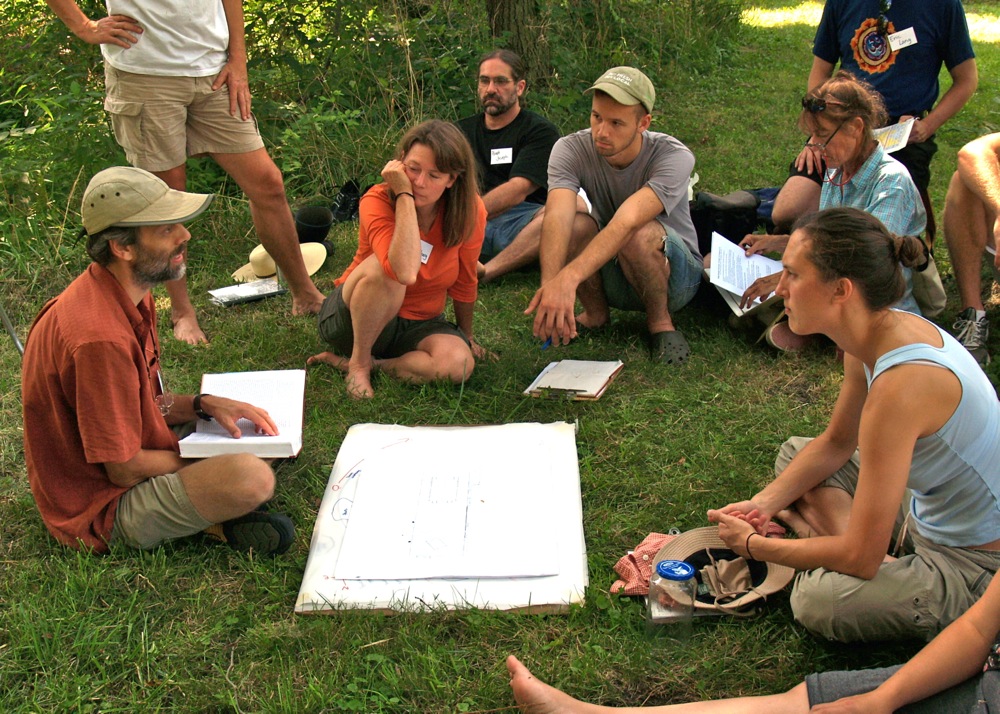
746,546
405,193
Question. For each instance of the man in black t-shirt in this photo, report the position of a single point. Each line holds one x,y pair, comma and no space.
512,147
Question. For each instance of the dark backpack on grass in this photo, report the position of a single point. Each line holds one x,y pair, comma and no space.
733,216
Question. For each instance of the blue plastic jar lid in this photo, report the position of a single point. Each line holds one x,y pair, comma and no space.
675,570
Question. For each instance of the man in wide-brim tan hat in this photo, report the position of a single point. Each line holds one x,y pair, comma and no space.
103,461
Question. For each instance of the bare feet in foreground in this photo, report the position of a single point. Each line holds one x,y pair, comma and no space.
186,329
308,304
536,697
357,380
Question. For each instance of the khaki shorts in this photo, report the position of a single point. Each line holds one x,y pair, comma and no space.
918,595
161,121
154,511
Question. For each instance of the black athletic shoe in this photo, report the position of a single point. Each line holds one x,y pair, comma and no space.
263,532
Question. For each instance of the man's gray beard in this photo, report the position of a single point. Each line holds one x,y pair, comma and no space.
150,278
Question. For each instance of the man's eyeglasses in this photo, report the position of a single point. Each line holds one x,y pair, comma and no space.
815,105
501,82
883,21
163,398
821,146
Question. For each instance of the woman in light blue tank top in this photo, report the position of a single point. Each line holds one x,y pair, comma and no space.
916,425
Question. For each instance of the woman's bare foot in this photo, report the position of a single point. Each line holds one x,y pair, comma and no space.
358,382
186,329
791,518
331,359
591,323
536,697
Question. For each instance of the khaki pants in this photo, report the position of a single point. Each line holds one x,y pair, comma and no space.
918,595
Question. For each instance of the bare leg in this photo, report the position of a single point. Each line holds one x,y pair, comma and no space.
822,511
967,227
522,251
642,261
536,697
373,299
799,196
225,487
590,292
438,357
261,181
182,315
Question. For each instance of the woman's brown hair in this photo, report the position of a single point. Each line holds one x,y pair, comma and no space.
842,98
850,243
452,155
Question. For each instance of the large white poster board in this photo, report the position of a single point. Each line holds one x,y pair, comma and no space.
454,517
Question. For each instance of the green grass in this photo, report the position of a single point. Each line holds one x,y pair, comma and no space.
190,627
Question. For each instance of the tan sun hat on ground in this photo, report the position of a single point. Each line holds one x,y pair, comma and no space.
262,265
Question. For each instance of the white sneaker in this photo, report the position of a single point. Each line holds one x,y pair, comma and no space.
973,334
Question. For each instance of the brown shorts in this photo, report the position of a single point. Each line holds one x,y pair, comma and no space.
396,339
161,121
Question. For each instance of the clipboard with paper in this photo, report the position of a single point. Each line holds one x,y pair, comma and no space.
574,379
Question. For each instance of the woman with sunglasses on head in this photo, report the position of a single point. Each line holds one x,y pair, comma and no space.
916,424
839,116
419,240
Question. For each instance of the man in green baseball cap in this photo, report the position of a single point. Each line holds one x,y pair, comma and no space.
636,249
103,461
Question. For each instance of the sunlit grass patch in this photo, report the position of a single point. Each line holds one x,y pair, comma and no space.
807,13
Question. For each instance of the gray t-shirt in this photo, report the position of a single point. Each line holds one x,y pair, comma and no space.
664,164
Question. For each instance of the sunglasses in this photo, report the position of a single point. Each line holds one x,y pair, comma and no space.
883,21
815,105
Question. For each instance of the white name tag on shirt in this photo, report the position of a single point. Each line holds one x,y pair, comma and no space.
425,251
501,156
901,39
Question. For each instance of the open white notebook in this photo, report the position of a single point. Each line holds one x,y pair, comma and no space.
280,392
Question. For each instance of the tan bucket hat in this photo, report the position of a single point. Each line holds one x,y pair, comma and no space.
719,570
127,196
262,265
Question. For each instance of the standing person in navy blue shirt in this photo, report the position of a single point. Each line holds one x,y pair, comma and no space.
512,147
897,46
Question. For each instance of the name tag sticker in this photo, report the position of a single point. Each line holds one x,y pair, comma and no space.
425,251
901,39
501,156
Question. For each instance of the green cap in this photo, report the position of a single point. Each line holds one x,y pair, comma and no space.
627,85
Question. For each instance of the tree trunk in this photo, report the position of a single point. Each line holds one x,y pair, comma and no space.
521,22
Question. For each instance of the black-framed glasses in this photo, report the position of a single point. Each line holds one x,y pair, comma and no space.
815,105
883,21
821,146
